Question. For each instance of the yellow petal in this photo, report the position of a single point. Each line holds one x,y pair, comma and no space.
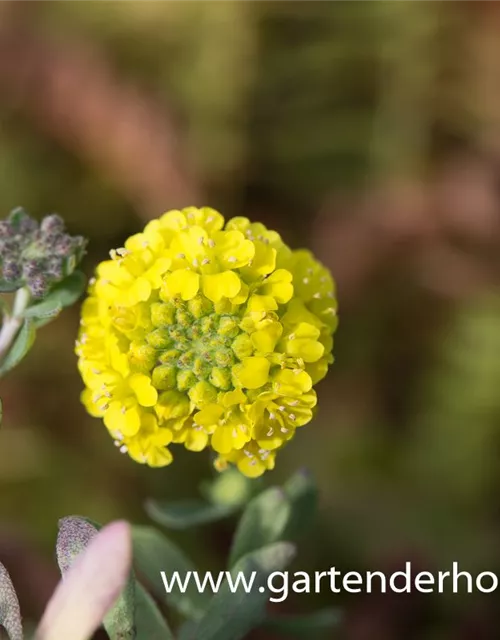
251,467
279,285
261,304
209,416
173,220
153,238
146,394
183,282
92,406
317,370
113,271
242,295
119,418
265,339
234,397
205,217
155,273
308,350
292,382
232,249
139,291
239,223
269,442
306,330
161,437
222,440
252,372
221,285
196,440
158,457
263,262
137,242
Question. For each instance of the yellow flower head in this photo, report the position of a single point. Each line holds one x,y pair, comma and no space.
208,335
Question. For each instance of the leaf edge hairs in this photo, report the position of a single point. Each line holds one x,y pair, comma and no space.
206,333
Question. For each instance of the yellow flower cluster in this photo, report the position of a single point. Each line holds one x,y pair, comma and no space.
208,335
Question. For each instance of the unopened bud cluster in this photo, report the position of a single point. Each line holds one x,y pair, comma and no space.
37,255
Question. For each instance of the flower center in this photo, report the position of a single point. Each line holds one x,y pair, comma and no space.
189,343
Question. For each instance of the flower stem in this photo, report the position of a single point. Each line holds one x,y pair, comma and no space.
13,322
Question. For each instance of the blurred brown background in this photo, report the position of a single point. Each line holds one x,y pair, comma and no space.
369,132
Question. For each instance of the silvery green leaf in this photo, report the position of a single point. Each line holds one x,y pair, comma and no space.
73,538
48,308
22,344
150,624
10,613
9,287
302,492
231,616
90,586
185,514
75,534
154,552
64,293
263,522
275,514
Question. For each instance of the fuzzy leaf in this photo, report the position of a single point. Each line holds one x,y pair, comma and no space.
153,552
230,616
119,622
90,586
185,514
263,522
9,287
150,624
62,295
273,515
302,492
75,534
48,308
73,538
66,292
22,344
10,614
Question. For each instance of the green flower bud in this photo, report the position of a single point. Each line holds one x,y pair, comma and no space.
159,339
162,314
220,378
164,377
185,380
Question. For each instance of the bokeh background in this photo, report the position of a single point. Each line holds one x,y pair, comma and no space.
369,132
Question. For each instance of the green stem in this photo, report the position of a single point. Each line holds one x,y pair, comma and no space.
13,322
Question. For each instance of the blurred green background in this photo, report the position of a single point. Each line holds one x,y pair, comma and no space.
367,131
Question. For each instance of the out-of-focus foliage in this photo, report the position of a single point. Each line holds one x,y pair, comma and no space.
368,131
96,566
